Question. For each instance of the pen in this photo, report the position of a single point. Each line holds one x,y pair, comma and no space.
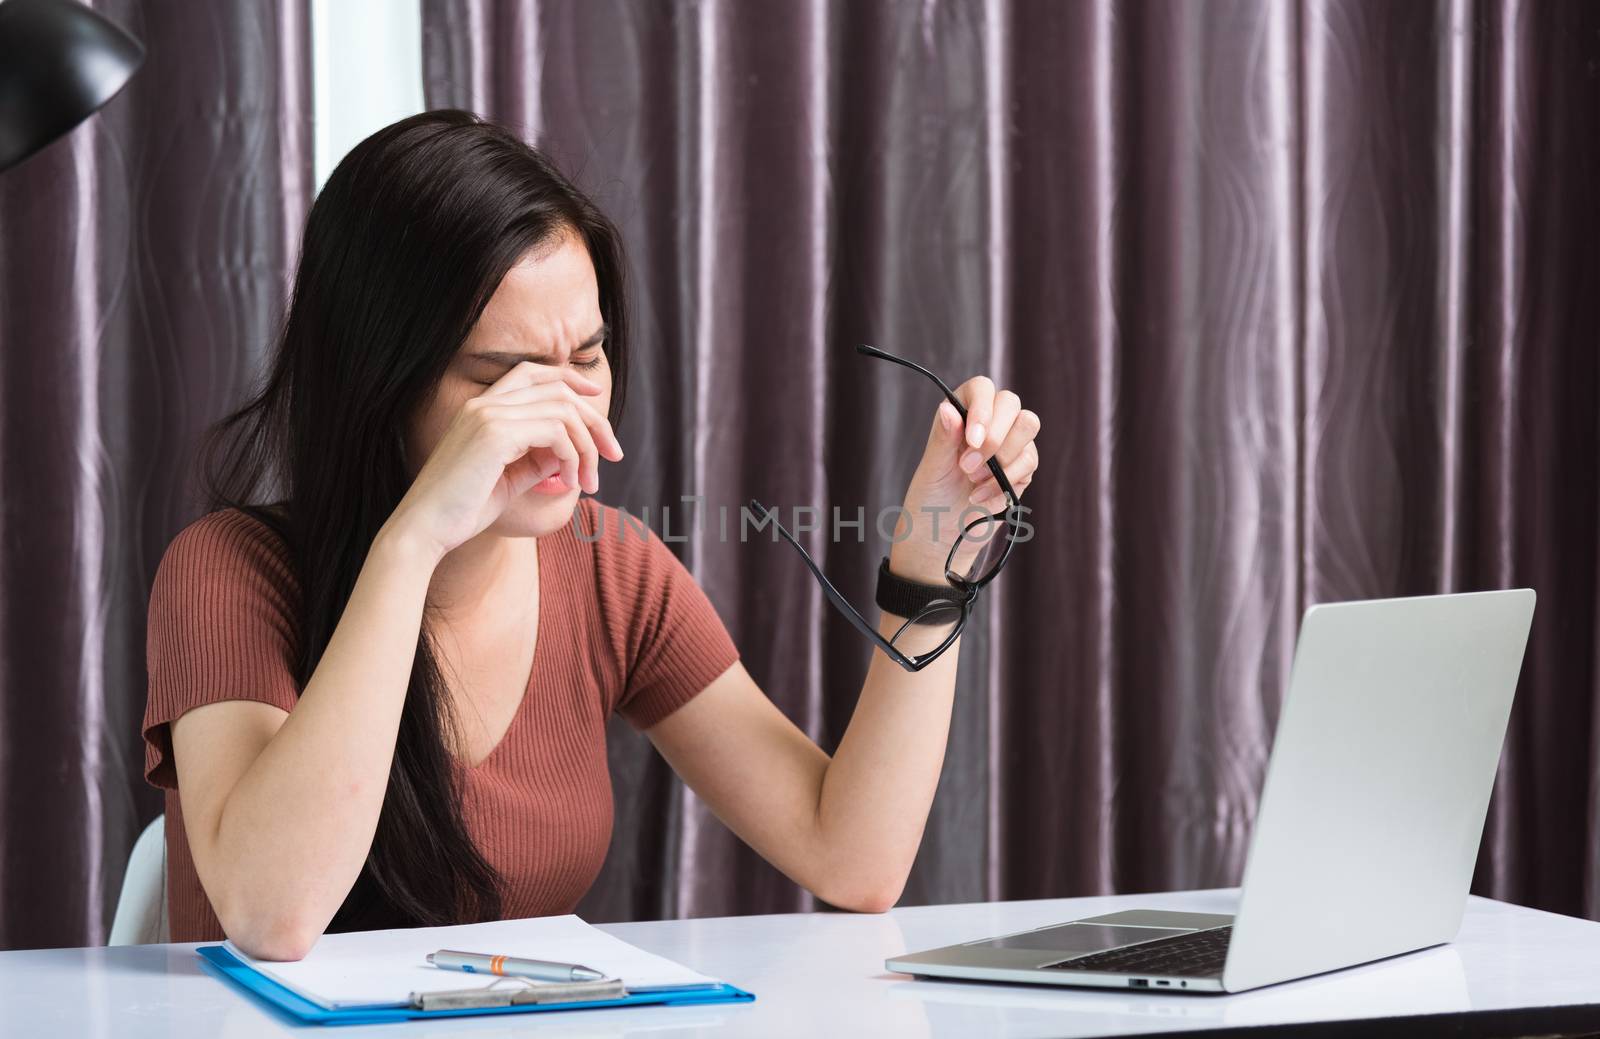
544,970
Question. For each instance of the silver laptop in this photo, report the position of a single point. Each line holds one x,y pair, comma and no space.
1369,821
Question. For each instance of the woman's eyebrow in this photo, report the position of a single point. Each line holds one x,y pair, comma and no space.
595,338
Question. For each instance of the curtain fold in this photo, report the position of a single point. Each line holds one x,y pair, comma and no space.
1304,292
144,264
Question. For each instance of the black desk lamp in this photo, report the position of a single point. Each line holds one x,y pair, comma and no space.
59,61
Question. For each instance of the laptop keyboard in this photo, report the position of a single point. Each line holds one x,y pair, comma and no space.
1193,955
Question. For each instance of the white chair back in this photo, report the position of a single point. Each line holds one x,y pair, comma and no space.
142,906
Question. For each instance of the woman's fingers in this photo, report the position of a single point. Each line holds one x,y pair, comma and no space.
1002,417
977,393
527,373
604,436
554,436
1024,430
533,466
516,429
585,470
1019,473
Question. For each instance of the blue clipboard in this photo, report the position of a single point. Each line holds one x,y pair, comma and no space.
307,1012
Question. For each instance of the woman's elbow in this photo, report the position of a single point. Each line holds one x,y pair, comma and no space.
271,936
875,902
867,896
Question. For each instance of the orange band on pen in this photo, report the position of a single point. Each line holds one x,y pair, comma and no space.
497,965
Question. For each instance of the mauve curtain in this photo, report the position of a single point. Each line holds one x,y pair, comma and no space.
1306,294
144,263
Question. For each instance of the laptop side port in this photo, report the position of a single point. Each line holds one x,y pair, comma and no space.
1138,983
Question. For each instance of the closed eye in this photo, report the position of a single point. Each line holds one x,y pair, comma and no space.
589,364
587,354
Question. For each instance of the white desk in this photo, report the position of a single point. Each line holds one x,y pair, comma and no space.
822,975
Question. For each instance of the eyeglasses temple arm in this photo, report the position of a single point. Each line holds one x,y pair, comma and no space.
995,470
834,595
883,355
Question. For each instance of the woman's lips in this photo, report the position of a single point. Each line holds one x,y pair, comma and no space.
550,485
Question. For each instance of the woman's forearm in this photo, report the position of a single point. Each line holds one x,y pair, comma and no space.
879,786
293,833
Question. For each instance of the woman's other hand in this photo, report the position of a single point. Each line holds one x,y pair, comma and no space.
534,422
953,477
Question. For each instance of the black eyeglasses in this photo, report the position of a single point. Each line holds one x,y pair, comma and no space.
977,555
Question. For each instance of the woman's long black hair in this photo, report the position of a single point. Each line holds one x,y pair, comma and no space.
402,249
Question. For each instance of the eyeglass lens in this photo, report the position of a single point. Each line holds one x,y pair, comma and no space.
936,619
979,550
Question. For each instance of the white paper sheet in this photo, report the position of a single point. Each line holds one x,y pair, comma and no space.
383,968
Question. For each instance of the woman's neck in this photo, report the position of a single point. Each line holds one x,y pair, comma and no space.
481,576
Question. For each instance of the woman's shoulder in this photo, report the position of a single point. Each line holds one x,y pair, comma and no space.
221,625
235,542
666,638
636,573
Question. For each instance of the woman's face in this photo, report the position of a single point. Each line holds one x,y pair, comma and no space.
547,310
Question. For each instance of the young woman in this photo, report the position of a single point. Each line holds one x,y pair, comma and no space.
381,701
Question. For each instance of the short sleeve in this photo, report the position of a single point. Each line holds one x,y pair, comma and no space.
672,641
220,628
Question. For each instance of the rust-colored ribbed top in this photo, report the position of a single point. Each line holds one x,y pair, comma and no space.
622,627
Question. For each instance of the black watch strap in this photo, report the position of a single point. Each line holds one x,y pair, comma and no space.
904,598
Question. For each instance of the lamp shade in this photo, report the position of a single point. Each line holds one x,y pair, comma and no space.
59,61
